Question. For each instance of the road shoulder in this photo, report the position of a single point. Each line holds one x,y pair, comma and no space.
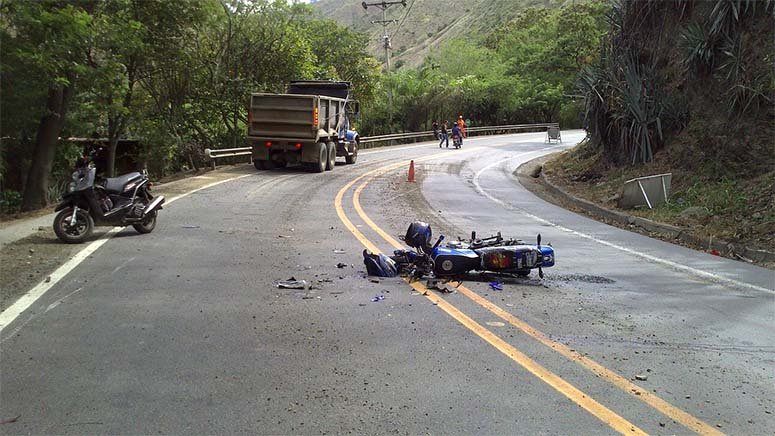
29,258
531,176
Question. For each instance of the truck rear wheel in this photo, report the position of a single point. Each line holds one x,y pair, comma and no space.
322,154
350,159
261,164
331,161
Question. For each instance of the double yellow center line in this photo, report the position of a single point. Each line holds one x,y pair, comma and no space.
606,415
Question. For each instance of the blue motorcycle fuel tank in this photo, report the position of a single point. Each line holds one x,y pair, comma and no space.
448,261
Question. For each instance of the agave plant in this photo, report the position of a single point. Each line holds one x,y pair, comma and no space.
637,115
726,14
699,46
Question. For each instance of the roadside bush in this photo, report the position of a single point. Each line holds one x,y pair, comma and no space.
11,202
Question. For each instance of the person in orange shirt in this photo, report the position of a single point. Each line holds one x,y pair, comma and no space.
461,124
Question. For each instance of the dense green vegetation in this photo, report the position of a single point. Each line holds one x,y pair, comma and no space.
685,87
520,72
173,75
698,68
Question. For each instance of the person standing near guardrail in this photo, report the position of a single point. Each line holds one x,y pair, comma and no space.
435,129
444,134
461,124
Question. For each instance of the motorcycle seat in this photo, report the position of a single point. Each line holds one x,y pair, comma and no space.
117,184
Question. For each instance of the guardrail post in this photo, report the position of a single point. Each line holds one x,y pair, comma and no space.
208,152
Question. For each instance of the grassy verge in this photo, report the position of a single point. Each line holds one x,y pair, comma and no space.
732,209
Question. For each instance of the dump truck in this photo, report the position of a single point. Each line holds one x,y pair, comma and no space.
308,125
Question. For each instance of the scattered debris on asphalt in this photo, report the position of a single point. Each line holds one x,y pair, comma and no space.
377,298
284,236
189,226
373,280
436,284
341,265
641,377
338,251
495,323
292,283
496,286
10,420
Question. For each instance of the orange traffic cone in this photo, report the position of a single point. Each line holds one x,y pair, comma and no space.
411,172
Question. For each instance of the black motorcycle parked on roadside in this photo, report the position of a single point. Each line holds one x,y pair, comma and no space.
120,201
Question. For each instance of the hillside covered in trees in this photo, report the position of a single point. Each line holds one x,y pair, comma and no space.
172,78
686,87
423,25
682,85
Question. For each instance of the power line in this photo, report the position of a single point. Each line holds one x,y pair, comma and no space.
384,5
405,15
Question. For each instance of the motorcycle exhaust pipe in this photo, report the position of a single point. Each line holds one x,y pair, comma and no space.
153,205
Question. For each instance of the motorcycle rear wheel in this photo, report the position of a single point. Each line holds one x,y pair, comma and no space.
73,234
147,225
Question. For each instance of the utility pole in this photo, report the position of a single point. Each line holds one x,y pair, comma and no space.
384,5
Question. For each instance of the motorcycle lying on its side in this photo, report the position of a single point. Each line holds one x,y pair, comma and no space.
457,258
120,201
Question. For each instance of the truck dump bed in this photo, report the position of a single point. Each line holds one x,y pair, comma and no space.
282,116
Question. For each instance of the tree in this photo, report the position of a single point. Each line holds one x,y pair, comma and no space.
47,41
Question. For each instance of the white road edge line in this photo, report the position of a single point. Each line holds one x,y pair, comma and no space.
28,299
676,266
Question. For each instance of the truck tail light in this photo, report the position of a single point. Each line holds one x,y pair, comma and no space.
298,146
315,119
268,144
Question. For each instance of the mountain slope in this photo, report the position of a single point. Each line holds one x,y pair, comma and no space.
424,24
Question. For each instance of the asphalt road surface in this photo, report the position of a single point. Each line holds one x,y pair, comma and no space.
184,331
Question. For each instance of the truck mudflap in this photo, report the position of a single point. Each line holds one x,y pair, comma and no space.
309,152
260,152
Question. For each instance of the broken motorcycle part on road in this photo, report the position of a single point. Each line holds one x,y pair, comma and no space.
291,283
379,265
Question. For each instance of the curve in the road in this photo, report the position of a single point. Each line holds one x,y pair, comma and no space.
674,265
667,409
585,401
10,314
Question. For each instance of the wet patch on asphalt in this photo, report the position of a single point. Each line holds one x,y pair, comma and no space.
584,278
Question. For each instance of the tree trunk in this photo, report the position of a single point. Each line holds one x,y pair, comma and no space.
113,133
49,129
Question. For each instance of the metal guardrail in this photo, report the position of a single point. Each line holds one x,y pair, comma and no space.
246,151
229,152
429,133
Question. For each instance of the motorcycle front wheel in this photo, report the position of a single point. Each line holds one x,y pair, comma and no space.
75,233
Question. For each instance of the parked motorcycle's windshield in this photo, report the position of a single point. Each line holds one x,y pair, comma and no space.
84,178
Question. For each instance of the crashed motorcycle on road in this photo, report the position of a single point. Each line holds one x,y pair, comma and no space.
457,258
120,201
